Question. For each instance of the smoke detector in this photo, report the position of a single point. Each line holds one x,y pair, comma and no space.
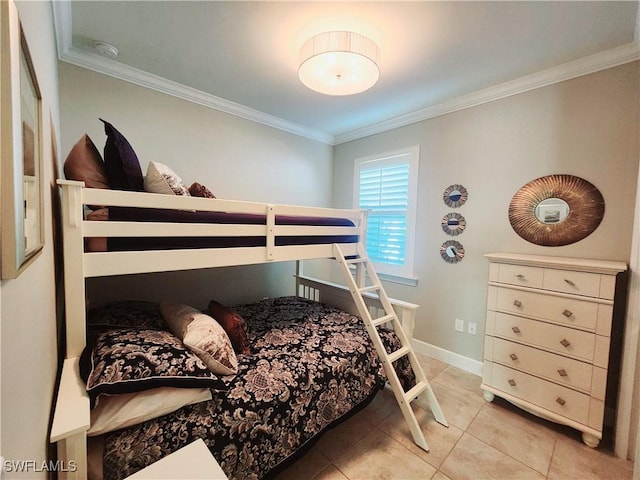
106,49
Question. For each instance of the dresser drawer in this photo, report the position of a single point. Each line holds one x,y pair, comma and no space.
567,281
556,338
561,400
521,275
564,311
558,369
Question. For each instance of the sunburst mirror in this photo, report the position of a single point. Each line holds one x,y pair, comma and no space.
452,251
556,210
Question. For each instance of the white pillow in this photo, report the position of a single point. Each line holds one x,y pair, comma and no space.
119,411
202,335
161,179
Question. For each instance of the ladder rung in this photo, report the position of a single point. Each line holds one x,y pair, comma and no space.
416,390
381,320
401,352
352,261
371,288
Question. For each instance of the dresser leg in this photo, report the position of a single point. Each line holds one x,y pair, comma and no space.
590,440
488,396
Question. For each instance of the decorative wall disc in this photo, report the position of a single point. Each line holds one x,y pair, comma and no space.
455,196
453,224
556,210
452,251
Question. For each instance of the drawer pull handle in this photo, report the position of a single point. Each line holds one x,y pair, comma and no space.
562,372
569,282
560,401
520,276
513,357
565,343
515,329
517,303
512,382
568,313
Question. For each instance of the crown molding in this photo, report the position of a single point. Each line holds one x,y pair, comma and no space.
105,66
62,23
577,68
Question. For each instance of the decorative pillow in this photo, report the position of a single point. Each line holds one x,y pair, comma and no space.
97,244
202,335
198,190
233,324
161,179
120,161
128,360
127,313
119,411
85,164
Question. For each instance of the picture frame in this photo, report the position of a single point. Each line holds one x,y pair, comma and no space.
21,149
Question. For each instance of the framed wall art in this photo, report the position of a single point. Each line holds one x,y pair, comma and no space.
21,187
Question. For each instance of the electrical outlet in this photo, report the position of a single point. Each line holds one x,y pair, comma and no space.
459,325
472,328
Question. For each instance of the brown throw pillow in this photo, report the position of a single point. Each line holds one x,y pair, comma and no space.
198,190
233,324
85,164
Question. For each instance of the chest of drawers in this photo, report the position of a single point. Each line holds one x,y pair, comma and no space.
548,337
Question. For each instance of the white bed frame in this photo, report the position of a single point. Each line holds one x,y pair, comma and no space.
71,415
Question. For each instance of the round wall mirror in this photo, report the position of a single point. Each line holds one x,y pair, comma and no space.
452,251
453,224
455,196
556,210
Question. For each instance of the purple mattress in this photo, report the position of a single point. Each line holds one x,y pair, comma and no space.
183,216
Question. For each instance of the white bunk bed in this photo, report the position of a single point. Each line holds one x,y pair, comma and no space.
72,412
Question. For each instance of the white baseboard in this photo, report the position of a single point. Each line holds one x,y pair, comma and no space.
460,361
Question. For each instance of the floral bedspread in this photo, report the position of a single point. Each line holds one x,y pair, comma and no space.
310,366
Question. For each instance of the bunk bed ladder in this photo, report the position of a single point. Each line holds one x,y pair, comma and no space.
366,280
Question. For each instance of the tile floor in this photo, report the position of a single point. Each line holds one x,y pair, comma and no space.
484,441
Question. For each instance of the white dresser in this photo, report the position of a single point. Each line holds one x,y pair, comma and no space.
548,335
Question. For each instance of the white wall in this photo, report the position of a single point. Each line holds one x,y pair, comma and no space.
235,158
28,350
586,127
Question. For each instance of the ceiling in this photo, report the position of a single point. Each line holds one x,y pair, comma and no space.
242,57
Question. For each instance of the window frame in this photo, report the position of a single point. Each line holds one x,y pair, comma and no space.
405,273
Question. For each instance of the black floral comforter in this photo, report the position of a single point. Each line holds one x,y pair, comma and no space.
311,365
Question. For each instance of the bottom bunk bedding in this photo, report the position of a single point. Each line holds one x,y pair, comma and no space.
310,365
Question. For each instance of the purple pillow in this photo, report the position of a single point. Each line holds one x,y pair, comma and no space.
120,161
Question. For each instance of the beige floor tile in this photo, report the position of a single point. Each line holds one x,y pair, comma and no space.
330,473
337,440
439,438
472,459
383,405
439,476
379,457
572,459
516,435
460,380
431,367
459,407
310,465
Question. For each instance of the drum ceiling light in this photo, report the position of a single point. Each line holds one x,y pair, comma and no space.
339,63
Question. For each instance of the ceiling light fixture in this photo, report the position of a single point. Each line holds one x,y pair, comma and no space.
339,63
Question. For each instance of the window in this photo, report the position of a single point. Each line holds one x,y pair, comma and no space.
386,186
